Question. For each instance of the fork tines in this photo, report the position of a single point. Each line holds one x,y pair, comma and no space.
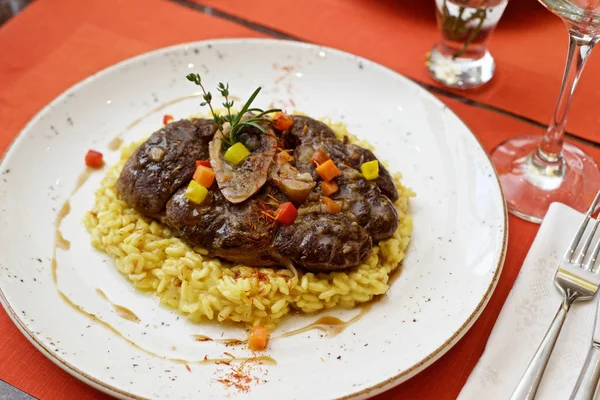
589,264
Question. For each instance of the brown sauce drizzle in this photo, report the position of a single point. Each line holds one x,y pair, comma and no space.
226,342
59,241
126,313
116,142
121,311
331,326
85,175
393,277
102,294
206,360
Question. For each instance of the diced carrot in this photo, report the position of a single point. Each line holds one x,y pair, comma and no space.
204,176
94,159
282,122
329,187
319,157
286,213
333,207
167,118
327,171
206,163
259,338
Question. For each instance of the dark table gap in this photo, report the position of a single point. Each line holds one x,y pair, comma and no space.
9,392
241,21
10,8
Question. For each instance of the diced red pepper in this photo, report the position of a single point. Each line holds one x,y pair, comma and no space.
94,159
204,163
286,213
167,118
319,157
282,122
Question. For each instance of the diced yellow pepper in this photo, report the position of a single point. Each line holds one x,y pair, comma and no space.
236,153
370,170
195,192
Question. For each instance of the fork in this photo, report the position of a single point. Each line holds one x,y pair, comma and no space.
577,281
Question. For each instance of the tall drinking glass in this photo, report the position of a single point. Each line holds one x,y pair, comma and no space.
536,171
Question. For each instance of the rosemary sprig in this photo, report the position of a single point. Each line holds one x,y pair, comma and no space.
235,120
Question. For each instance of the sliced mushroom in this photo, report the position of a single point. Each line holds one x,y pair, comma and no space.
295,185
239,182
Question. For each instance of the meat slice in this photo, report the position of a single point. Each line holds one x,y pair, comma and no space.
307,130
236,232
308,135
297,186
323,242
164,163
239,182
354,156
373,210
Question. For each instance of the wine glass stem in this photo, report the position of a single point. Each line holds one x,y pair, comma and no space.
580,47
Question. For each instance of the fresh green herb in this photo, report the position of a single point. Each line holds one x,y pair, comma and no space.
235,120
455,27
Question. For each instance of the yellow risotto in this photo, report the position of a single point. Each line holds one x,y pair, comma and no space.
203,287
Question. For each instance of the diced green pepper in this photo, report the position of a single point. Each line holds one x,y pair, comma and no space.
236,153
370,170
195,192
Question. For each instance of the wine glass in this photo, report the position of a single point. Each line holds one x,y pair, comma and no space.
535,170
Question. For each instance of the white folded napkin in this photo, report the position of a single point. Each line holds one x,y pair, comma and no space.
525,317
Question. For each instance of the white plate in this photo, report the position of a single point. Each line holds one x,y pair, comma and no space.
454,260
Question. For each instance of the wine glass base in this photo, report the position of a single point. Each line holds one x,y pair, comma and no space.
460,72
530,186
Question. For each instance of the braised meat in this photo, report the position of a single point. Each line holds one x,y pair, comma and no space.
164,163
308,135
235,221
236,232
324,242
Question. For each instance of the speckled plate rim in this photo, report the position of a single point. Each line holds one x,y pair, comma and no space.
371,391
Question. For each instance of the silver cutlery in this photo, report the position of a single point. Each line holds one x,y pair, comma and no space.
590,372
577,280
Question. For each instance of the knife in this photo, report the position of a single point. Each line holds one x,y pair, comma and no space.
590,372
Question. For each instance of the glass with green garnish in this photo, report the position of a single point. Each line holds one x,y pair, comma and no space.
461,59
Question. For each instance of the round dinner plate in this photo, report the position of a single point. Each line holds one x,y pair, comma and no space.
453,262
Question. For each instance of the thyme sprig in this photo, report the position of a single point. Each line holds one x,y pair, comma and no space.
235,120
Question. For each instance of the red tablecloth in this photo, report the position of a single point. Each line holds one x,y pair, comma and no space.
56,43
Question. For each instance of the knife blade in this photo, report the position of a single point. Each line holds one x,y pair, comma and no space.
586,385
